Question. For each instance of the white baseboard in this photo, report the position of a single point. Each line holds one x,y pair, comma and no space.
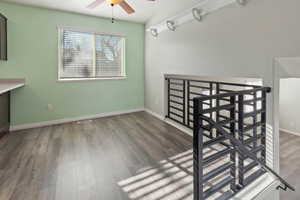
176,125
155,114
290,132
68,120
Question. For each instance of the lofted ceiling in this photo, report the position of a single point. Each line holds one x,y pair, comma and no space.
145,10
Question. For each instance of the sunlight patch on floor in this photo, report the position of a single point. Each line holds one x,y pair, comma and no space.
171,179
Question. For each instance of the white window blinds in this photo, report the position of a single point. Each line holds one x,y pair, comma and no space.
90,55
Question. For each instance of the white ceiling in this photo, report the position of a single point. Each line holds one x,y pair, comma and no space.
145,10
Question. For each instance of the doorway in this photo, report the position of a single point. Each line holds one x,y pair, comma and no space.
289,134
286,80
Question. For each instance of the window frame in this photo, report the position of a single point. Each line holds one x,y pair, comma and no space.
60,51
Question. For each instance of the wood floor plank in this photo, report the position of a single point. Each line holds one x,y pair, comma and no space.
85,160
290,164
88,159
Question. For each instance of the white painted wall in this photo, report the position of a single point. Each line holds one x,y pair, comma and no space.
289,105
233,42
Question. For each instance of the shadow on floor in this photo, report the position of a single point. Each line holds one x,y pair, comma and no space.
171,179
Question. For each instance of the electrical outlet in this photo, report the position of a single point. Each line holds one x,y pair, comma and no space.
50,107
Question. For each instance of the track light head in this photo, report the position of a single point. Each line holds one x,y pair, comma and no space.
171,25
197,14
154,32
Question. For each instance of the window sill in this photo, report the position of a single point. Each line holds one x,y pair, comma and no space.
91,79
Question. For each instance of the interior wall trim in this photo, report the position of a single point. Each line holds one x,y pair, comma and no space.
154,114
178,126
68,120
289,131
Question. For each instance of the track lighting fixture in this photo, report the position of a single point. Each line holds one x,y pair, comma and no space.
154,32
171,25
197,14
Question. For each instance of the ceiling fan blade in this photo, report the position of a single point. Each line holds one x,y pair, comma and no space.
127,7
95,3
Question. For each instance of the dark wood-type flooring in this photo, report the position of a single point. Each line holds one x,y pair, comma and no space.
94,159
84,160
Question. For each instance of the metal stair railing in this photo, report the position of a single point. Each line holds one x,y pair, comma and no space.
210,109
209,125
242,149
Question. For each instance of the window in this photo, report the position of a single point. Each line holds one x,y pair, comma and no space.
90,55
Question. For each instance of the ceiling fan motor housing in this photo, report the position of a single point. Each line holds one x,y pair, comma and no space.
113,2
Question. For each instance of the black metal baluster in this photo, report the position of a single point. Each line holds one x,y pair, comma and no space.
168,115
189,103
197,151
234,152
255,120
184,102
210,105
241,137
217,105
264,126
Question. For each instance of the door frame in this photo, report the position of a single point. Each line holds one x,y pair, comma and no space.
284,67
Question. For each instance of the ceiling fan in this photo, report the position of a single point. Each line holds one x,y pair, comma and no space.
122,3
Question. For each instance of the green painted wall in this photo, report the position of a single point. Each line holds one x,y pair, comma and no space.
32,51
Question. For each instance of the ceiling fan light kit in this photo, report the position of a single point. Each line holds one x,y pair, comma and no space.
114,2
195,13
